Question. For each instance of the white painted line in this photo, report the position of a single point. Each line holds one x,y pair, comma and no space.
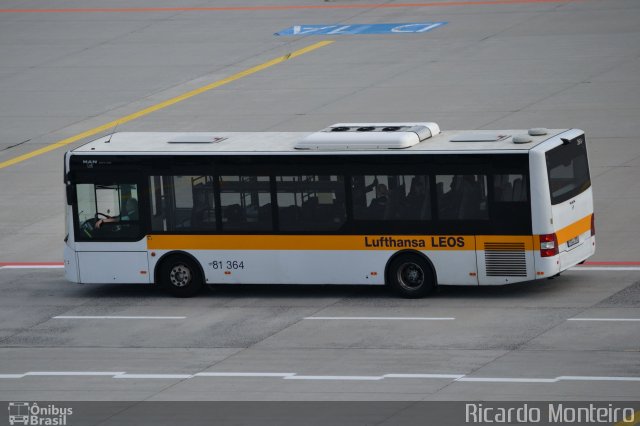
294,376
423,376
505,380
384,318
114,317
152,376
603,319
72,373
334,378
231,374
599,378
548,380
606,268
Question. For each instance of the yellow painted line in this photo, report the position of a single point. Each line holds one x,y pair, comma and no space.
163,105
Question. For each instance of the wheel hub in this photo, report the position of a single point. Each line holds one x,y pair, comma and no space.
180,276
410,275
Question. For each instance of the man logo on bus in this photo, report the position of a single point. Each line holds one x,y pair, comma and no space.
89,163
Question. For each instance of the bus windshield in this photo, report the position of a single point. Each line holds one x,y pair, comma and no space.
568,170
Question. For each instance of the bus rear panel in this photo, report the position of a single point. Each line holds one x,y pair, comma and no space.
566,232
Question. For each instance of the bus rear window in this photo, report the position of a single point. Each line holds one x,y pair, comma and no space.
568,170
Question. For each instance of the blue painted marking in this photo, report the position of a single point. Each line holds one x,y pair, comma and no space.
407,28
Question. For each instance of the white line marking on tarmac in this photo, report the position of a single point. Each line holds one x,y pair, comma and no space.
599,378
153,376
384,318
232,374
73,373
550,380
506,380
603,319
334,377
423,376
295,376
115,317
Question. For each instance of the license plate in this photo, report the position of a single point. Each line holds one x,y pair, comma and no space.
573,242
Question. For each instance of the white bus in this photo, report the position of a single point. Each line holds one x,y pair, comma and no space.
397,204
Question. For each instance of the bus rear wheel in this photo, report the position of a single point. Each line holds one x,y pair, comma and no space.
181,276
411,276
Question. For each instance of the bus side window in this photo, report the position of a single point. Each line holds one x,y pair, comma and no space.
203,213
463,197
391,197
310,202
510,209
246,203
182,203
158,203
510,188
414,201
194,203
370,196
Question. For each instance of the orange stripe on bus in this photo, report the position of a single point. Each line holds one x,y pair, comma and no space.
310,242
576,228
338,242
359,242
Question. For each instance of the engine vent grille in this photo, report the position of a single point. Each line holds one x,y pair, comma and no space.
505,259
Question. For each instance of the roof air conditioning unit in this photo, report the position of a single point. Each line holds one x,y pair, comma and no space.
368,136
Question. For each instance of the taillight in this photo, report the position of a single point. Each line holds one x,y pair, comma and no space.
593,225
548,245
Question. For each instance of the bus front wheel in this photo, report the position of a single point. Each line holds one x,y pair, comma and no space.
410,275
181,276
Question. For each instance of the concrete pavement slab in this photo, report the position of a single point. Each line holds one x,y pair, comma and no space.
222,327
594,335
472,329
